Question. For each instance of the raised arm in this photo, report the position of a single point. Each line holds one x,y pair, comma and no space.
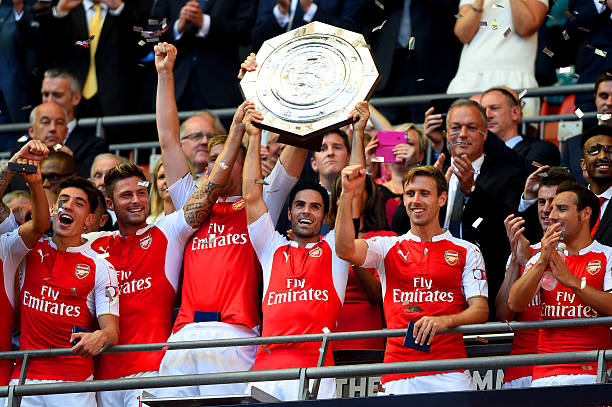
347,247
467,26
361,114
33,229
252,190
166,114
527,16
199,206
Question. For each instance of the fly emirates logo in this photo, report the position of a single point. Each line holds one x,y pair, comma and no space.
568,309
48,303
422,293
296,292
216,238
127,285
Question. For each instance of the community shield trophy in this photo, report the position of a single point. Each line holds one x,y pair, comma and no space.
308,80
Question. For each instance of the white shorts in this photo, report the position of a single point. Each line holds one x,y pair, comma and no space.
288,390
56,400
519,383
454,381
207,360
123,398
564,380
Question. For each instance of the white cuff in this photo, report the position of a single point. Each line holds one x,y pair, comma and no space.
177,35
281,19
205,26
599,7
525,203
310,13
118,10
57,14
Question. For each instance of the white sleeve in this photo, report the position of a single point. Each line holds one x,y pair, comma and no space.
280,183
203,32
378,246
340,268
474,279
12,252
464,2
106,279
607,284
181,190
265,240
177,232
524,204
281,19
9,224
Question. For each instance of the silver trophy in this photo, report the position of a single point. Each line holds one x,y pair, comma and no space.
308,80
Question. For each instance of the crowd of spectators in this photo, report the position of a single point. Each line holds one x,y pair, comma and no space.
244,233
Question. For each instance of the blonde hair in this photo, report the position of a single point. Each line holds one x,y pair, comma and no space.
157,205
406,127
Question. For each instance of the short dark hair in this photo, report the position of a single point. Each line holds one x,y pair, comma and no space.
557,176
470,103
303,184
101,200
64,157
509,96
122,171
602,77
83,184
343,136
374,212
584,198
427,171
599,130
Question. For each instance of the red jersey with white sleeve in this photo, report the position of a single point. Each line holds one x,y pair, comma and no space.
525,341
148,265
12,251
594,264
358,314
228,283
60,290
425,279
303,293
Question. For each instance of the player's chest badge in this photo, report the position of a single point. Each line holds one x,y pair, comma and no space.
451,257
316,252
593,267
81,271
145,242
238,205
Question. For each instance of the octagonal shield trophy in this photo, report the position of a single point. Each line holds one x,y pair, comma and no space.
308,80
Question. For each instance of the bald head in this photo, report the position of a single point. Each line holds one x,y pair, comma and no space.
48,123
101,165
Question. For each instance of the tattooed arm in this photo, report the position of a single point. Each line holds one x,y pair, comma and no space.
33,151
252,190
199,206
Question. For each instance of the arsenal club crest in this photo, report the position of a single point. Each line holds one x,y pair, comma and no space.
316,252
238,205
451,257
145,242
593,267
81,271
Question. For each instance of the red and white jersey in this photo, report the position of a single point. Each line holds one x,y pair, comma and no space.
425,279
525,341
303,293
148,265
9,224
12,251
594,264
60,290
358,314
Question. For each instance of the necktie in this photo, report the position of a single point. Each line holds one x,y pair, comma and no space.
95,27
601,202
455,219
405,30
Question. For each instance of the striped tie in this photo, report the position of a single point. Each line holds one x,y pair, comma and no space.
95,27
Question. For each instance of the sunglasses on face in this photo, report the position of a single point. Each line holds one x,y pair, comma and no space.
198,136
597,148
54,177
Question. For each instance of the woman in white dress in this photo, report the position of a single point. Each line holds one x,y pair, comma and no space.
500,45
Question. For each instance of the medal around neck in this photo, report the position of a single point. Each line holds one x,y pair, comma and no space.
308,80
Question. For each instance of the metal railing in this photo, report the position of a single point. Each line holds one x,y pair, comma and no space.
14,392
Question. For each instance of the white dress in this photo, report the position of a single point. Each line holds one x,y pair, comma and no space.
492,59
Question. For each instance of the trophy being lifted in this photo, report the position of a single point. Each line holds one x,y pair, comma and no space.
308,80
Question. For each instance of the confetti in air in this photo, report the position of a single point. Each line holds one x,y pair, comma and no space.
86,42
579,113
548,52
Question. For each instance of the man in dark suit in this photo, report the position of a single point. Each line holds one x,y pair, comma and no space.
597,163
207,34
482,191
503,118
572,148
105,65
429,66
275,17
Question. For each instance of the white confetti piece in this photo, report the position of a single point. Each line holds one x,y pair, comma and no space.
564,70
600,52
57,147
379,4
223,165
141,43
494,25
477,223
143,183
23,139
379,27
326,330
523,93
458,15
579,113
411,43
565,35
548,52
